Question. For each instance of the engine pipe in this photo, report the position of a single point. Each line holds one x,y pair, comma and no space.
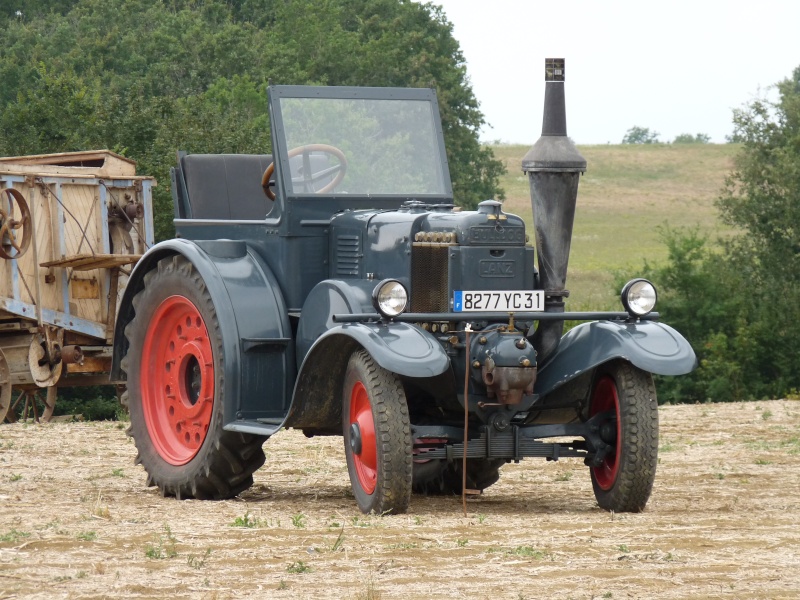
554,167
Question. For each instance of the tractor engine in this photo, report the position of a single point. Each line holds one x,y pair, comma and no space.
454,262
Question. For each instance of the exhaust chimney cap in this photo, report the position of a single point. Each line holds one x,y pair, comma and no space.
554,152
554,69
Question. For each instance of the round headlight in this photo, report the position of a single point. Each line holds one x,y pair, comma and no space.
639,297
389,298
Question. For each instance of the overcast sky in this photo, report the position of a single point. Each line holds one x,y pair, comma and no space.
674,67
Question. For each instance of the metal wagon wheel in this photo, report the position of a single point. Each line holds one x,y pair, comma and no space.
5,387
15,234
35,404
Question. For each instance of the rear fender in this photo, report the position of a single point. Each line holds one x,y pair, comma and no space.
648,345
257,340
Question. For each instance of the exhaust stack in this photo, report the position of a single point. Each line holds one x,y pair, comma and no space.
554,167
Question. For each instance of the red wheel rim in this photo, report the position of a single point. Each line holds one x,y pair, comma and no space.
366,462
605,399
177,380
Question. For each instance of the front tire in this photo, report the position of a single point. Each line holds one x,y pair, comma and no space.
624,480
175,368
377,436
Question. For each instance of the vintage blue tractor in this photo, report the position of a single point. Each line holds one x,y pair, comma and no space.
335,288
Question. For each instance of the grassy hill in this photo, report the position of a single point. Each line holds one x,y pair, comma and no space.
627,193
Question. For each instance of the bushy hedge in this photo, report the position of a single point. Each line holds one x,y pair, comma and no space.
738,300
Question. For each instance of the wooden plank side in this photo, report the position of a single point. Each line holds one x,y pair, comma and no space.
83,262
50,288
72,240
83,234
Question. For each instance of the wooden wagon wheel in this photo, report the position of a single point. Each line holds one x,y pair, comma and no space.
13,242
5,387
36,404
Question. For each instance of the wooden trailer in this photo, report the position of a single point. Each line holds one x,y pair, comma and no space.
71,227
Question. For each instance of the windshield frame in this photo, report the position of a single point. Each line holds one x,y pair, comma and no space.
280,149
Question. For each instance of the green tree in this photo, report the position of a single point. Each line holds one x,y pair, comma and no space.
640,135
761,195
147,78
739,302
390,43
27,9
688,138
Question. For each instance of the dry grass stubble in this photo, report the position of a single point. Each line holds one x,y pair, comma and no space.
724,522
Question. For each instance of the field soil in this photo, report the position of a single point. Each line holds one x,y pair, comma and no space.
78,521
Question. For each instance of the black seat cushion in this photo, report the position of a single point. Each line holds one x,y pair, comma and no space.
226,186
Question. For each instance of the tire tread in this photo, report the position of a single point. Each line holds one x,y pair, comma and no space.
637,465
393,437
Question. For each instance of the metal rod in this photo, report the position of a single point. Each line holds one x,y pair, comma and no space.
40,320
468,330
473,317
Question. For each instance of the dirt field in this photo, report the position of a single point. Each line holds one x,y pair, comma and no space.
723,522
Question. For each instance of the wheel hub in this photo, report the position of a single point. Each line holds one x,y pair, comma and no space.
608,431
363,444
355,439
606,400
177,380
193,379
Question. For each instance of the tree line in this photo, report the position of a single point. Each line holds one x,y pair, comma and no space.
148,77
644,135
738,299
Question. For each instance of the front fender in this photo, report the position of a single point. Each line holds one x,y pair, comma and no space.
648,345
397,347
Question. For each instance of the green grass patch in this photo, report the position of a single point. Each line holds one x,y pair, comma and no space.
14,536
249,521
298,567
299,520
530,552
163,545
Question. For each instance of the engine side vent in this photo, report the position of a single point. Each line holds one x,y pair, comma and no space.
348,254
429,291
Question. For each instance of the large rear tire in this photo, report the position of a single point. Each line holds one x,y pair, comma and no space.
624,480
175,367
377,436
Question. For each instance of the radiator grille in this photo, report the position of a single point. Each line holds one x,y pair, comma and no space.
429,291
348,254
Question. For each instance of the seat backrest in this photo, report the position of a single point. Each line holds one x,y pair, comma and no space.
226,186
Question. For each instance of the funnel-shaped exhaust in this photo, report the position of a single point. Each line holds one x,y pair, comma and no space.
554,167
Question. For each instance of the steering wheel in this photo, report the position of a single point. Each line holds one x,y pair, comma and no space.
339,169
9,226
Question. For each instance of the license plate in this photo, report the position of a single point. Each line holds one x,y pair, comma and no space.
505,301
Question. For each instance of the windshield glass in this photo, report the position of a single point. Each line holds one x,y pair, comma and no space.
362,146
